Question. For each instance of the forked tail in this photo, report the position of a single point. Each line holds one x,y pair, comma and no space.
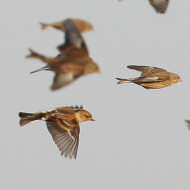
25,118
36,55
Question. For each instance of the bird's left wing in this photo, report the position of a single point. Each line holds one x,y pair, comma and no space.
65,135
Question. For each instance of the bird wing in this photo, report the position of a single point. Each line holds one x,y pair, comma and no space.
65,135
157,77
159,5
146,80
73,35
61,80
146,71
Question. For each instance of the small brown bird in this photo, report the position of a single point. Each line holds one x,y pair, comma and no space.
152,77
72,62
82,25
159,5
63,125
188,123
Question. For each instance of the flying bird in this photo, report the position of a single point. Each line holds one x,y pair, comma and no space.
159,5
73,61
82,25
188,123
151,77
63,125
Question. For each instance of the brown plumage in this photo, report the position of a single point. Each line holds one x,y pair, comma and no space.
82,25
72,62
188,123
159,5
152,77
63,125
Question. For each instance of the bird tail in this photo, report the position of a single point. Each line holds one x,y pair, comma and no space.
26,118
36,55
29,117
44,25
121,80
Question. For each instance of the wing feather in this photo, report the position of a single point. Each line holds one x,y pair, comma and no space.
66,139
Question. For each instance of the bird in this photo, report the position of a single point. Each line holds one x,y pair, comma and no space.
82,25
63,125
151,77
73,61
160,5
188,123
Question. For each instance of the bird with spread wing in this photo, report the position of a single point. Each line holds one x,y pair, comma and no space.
63,125
151,77
73,61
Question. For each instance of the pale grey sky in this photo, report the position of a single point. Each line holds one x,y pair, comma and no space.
139,140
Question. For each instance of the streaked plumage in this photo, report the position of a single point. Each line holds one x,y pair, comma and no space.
152,77
63,125
82,25
72,62
159,5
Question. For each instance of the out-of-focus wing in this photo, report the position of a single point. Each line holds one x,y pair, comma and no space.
159,5
61,80
73,36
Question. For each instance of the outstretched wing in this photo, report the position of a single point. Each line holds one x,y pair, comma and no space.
65,135
73,35
146,71
159,5
61,80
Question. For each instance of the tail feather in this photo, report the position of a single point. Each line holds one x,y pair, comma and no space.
121,80
25,118
34,54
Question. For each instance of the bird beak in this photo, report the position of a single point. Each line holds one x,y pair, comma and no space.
92,119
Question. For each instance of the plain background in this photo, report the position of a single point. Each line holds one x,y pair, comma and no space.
139,140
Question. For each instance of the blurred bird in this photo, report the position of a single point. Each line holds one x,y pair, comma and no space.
72,62
63,125
188,123
152,77
82,25
159,5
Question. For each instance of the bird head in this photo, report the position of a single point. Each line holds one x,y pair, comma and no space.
83,115
176,78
